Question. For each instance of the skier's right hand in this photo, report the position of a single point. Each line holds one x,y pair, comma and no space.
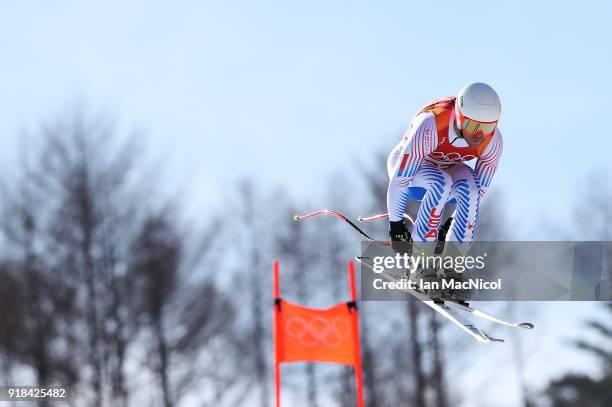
401,241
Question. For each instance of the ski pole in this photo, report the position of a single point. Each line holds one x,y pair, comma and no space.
341,217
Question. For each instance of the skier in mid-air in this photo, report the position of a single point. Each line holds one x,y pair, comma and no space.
429,163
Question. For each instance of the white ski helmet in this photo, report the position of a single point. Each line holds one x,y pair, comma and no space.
477,103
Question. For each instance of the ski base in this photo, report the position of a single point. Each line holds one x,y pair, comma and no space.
448,307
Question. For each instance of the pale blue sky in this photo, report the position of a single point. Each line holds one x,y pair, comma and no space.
289,92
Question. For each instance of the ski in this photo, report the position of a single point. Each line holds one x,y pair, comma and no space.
484,315
460,305
446,307
443,309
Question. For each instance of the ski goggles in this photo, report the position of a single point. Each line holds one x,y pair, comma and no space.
471,126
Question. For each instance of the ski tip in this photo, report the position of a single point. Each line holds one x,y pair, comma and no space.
526,325
296,217
488,339
359,218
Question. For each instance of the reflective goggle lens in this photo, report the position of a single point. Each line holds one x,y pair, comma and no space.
473,127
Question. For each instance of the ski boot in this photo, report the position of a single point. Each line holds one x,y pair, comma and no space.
459,295
455,292
428,282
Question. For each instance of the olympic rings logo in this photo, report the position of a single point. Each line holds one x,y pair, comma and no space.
317,331
453,156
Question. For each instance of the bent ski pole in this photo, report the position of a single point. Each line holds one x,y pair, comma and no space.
382,216
341,217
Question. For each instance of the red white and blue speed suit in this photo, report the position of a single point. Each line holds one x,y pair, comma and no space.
431,158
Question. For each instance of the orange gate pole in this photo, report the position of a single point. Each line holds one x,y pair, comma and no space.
277,309
355,318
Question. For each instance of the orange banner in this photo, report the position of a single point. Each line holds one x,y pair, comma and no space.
313,335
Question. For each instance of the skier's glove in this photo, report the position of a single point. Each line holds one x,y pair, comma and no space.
401,241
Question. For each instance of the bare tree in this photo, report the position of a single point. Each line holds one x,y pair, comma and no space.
82,236
437,376
92,208
250,247
157,253
417,354
38,307
181,316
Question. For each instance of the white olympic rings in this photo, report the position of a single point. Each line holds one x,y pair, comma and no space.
315,331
